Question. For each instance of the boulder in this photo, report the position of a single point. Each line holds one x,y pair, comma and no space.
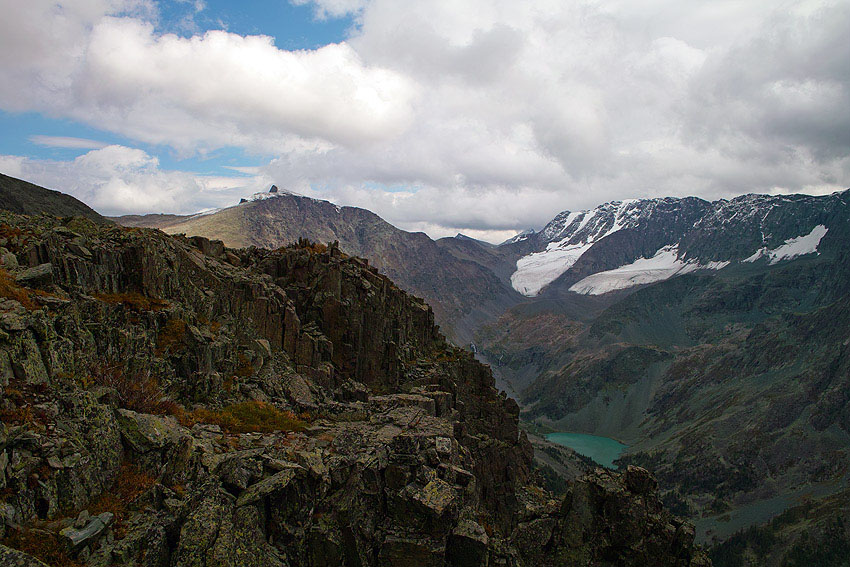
275,483
78,538
467,545
639,480
39,276
411,552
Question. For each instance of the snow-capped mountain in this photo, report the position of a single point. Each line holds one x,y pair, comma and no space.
622,244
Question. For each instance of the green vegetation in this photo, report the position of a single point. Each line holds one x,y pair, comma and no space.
828,546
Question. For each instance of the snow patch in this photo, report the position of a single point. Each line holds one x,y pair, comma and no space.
663,265
204,213
536,271
519,237
793,247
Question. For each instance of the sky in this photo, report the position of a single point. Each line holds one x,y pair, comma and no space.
484,117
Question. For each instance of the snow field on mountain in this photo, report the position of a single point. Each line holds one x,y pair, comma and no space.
793,247
663,265
536,271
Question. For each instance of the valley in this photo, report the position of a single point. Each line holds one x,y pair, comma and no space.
710,340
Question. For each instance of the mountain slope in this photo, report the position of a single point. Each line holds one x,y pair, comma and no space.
463,291
620,245
25,198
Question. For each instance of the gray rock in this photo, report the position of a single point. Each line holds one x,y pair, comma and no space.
267,486
38,276
12,322
82,520
77,538
9,260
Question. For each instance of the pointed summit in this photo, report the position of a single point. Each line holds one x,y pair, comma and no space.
273,189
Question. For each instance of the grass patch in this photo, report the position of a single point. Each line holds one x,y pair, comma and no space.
213,326
24,397
8,231
172,337
128,485
142,393
244,368
133,300
9,289
42,544
249,417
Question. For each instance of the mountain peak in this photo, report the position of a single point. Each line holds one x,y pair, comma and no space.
519,237
274,191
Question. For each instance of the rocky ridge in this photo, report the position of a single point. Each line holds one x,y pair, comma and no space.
170,401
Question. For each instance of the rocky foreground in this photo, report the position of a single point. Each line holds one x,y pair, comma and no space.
168,401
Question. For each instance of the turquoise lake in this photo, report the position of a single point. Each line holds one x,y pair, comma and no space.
603,450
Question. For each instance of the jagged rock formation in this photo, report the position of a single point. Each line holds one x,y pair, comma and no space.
169,401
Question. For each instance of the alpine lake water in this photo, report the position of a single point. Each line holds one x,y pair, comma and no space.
603,450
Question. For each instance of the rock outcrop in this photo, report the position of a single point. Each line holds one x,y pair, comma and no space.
167,401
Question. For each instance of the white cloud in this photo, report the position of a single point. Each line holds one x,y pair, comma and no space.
79,60
118,180
66,142
333,8
491,115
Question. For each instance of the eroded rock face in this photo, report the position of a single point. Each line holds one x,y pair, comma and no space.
132,384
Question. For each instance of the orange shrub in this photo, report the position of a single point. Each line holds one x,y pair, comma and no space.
139,392
133,300
247,417
9,289
128,485
172,337
41,544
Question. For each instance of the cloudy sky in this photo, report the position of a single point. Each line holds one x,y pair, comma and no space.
479,116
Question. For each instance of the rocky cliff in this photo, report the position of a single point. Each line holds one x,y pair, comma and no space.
169,401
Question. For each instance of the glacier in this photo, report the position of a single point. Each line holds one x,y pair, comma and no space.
663,265
793,247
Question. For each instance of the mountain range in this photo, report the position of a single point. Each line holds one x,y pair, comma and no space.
711,337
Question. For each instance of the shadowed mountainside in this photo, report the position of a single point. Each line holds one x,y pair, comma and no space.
22,197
